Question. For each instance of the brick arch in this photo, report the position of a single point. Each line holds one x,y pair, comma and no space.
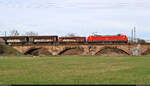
32,49
112,49
81,50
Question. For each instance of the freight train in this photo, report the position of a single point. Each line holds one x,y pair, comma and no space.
92,39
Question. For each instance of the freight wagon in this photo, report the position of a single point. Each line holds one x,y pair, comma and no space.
15,40
43,39
65,40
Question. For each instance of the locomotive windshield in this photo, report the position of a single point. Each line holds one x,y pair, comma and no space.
107,35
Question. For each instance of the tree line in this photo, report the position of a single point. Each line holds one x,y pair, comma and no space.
15,32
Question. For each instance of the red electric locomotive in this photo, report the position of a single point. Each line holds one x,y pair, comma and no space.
119,38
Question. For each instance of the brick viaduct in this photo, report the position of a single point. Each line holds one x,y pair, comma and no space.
88,49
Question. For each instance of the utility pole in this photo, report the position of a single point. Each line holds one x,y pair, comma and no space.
135,34
132,36
5,33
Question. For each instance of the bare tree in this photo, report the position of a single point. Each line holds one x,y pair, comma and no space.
70,35
14,33
140,40
31,33
3,33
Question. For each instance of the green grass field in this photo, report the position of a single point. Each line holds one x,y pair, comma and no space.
75,70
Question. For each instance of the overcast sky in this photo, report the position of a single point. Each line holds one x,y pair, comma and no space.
83,17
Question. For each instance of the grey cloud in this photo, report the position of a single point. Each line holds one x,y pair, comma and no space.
85,4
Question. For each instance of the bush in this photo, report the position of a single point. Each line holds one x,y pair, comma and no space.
7,50
2,42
